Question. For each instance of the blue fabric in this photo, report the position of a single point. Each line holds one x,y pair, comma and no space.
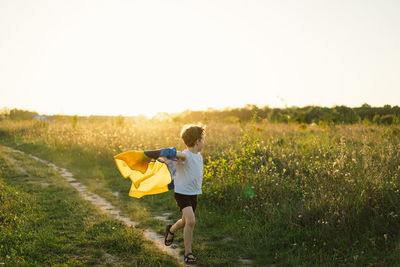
170,153
171,185
154,154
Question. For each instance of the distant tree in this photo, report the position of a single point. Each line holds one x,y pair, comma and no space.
279,115
387,119
299,116
17,114
316,114
365,112
396,111
365,105
4,113
346,115
376,119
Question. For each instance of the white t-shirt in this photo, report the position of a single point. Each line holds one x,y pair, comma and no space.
189,174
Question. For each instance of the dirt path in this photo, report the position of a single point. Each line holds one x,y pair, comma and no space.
106,206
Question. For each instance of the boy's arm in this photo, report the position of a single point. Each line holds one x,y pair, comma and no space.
180,156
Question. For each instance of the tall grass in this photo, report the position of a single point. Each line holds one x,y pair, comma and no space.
343,179
331,187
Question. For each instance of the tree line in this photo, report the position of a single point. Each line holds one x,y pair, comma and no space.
310,114
386,115
17,114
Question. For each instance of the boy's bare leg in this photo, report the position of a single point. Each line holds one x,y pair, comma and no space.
178,225
187,222
189,218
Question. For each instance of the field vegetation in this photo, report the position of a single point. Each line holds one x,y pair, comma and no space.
44,222
366,114
274,193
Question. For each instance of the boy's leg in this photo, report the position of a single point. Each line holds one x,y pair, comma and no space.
189,219
178,225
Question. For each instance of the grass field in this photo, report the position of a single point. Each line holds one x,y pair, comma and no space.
45,222
279,194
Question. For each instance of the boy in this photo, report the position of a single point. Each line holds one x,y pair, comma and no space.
188,180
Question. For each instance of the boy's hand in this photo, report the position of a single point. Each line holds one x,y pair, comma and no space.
170,153
181,156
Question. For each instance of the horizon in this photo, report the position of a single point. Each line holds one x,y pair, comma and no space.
3,110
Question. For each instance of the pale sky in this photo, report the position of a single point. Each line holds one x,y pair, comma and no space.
131,57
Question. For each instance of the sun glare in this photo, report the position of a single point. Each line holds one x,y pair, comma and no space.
146,57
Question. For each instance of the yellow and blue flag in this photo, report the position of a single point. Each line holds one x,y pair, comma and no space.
149,173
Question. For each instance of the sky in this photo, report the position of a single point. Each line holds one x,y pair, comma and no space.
127,57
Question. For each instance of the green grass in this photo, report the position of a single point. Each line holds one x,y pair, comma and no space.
45,222
275,194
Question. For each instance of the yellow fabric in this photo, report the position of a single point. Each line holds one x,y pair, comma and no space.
148,177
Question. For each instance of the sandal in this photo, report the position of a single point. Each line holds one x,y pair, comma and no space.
189,260
168,242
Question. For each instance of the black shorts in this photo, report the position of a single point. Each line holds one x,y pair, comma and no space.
184,201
